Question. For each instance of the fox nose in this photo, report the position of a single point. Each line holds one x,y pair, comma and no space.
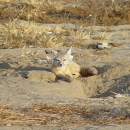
60,64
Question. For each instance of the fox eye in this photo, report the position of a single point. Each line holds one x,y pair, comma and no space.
57,60
64,60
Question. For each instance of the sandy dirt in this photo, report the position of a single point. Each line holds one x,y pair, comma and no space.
26,81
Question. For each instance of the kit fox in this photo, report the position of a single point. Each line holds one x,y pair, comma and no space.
65,68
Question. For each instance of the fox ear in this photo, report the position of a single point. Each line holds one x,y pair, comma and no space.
54,53
69,51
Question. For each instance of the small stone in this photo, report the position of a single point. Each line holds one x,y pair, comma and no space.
48,33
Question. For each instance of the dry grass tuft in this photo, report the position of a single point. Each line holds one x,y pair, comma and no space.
20,21
102,37
85,12
108,29
17,34
57,114
80,34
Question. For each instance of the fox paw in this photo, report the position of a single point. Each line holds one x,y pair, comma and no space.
69,80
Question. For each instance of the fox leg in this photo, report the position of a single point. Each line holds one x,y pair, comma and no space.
66,78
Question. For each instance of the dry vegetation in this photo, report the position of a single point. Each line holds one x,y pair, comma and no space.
103,37
116,12
60,114
21,22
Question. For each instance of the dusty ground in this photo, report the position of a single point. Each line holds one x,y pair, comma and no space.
26,81
32,97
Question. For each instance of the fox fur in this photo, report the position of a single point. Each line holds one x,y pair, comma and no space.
65,68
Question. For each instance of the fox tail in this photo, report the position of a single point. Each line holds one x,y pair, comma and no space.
85,72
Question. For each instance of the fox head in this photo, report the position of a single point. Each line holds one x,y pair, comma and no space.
61,59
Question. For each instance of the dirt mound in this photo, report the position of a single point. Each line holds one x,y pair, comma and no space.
41,76
113,77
